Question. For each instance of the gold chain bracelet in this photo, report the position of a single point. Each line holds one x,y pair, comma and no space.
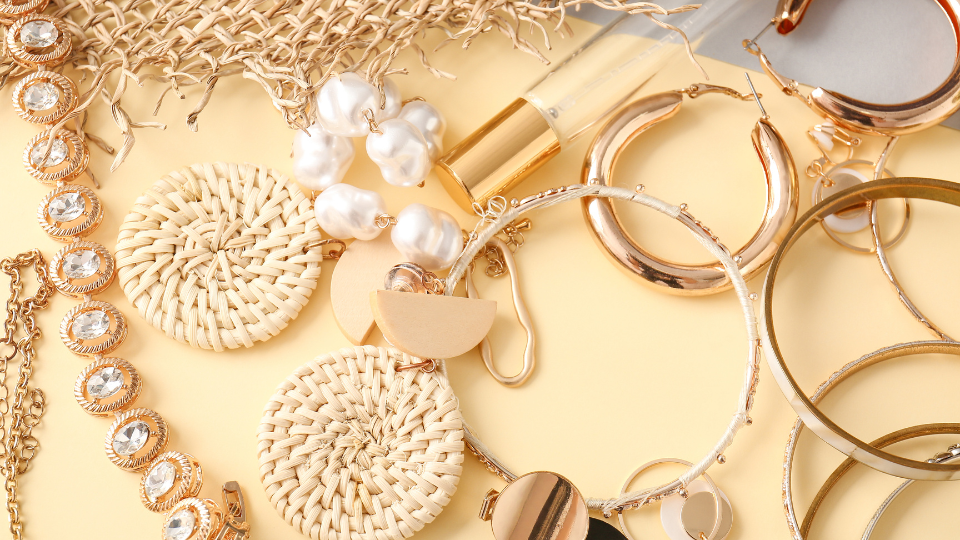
19,444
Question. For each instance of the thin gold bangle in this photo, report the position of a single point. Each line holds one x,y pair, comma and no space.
819,423
901,435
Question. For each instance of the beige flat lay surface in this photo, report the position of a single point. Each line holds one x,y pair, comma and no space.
625,374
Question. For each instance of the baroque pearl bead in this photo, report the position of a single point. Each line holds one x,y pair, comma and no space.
342,100
401,152
345,211
320,159
429,121
427,236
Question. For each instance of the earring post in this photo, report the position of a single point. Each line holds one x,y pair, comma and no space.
756,96
762,32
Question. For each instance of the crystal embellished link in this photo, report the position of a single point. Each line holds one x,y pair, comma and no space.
135,441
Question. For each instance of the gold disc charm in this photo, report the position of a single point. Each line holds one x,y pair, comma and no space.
67,159
106,386
11,10
70,211
171,477
193,519
44,97
81,268
135,438
39,40
93,328
537,505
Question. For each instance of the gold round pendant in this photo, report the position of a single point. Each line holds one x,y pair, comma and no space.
44,97
93,328
106,386
193,519
39,40
135,438
81,268
70,211
66,159
10,11
169,478
540,505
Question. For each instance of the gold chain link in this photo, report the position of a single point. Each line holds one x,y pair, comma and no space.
496,265
19,445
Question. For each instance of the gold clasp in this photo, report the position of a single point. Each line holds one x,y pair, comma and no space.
333,254
529,352
427,366
235,526
489,501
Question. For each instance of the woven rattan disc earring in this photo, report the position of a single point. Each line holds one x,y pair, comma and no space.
363,442
220,255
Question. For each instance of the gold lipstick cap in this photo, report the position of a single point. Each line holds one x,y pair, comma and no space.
496,157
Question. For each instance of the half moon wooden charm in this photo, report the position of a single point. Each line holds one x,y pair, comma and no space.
430,325
359,272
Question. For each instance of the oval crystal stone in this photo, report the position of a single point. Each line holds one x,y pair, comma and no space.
91,324
81,264
180,525
131,438
41,96
105,383
39,34
58,153
66,207
159,480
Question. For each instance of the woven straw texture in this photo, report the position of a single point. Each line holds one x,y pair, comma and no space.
288,47
352,449
220,255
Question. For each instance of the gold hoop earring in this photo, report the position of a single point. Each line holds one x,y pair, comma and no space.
700,279
861,116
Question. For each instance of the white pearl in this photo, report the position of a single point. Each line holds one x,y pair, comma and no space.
429,121
320,159
341,102
401,152
427,236
345,211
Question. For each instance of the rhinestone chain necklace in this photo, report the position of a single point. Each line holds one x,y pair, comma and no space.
136,440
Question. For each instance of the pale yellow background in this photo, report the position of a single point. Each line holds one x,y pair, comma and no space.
626,374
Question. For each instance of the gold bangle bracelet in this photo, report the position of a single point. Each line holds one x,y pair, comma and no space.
819,423
901,435
899,351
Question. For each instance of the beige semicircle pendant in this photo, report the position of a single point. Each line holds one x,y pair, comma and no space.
430,325
359,272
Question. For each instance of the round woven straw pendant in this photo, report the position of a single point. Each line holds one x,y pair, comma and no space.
351,448
220,255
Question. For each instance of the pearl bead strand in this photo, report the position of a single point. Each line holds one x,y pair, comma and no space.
404,139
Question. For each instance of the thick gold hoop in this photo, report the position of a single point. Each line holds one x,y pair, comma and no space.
860,116
691,280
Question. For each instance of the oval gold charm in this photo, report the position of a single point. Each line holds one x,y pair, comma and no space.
431,325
